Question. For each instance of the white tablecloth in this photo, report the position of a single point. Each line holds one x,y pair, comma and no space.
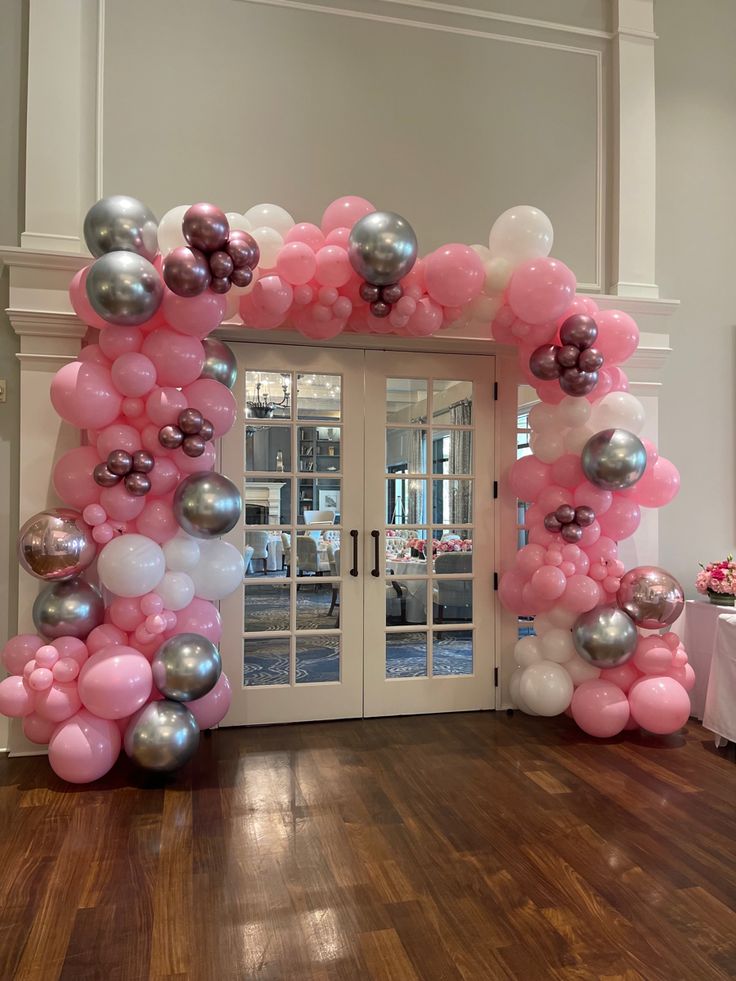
697,630
416,589
720,701
275,550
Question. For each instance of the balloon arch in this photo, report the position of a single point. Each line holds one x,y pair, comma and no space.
135,664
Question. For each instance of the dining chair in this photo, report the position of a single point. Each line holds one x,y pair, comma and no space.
286,547
453,594
320,517
247,556
258,540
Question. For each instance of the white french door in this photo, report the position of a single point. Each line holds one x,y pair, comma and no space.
367,534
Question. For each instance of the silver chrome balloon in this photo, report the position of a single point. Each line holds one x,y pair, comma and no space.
219,362
71,608
207,505
651,596
614,459
186,666
124,288
382,247
163,736
56,544
605,637
120,223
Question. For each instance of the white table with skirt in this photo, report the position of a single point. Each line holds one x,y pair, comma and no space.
720,700
697,630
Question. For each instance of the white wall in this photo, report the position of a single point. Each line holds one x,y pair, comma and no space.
696,261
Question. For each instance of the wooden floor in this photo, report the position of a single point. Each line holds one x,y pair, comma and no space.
444,848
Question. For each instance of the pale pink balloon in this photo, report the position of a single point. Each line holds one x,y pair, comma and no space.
84,748
118,436
549,392
157,521
528,477
58,702
84,395
567,471
115,682
272,295
659,704
344,212
72,647
530,558
540,290
106,635
600,708
66,669
333,266
618,336
549,582
624,675
37,729
296,263
657,487
151,604
685,675
196,316
19,650
16,697
212,708
94,353
150,441
46,656
511,591
195,464
215,402
94,514
619,379
321,330
178,358
121,505
621,520
454,275
590,535
125,612
103,533
119,341
588,495
551,498
164,477
307,234
581,594
133,408
80,301
133,374
200,617
604,548
652,656
338,236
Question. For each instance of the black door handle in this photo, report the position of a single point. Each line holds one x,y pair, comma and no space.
376,570
354,536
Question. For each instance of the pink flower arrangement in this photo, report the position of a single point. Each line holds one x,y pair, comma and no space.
455,545
717,577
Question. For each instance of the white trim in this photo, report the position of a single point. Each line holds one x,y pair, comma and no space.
47,259
100,99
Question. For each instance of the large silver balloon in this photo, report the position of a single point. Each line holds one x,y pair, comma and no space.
121,224
186,666
56,544
219,362
614,459
162,736
207,505
651,597
124,288
382,247
71,608
605,637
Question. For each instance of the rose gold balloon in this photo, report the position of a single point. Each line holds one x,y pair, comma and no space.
651,596
56,544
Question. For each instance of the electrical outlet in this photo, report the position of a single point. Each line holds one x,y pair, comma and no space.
3,390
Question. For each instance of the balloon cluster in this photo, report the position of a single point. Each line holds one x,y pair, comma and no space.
382,249
131,468
587,477
191,431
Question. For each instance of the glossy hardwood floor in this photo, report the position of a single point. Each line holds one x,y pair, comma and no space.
445,848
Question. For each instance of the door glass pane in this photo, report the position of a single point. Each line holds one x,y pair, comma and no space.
268,448
452,501
267,502
406,601
406,400
319,501
453,550
266,607
266,554
318,606
406,655
267,395
314,555
405,545
319,448
452,402
452,599
406,501
318,658
406,450
452,652
318,396
452,451
266,662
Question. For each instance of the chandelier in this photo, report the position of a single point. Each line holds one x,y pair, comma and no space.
263,406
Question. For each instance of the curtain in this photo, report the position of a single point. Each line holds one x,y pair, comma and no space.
416,463
460,461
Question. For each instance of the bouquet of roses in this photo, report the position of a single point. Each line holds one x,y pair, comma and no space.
717,577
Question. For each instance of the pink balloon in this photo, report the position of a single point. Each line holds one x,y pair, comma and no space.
80,301
426,319
72,647
581,594
338,236
115,682
125,612
157,521
119,504
333,266
93,353
196,316
163,405
454,275
604,548
215,402
212,708
659,705
58,702
549,582
590,535
296,263
118,436
511,591
272,295
16,698
195,464
618,336
567,471
200,617
72,477
551,498
530,558
621,520
19,650
344,212
306,233
657,487
588,495
685,675
164,477
66,669
84,395
528,477
540,290
652,656
178,358
600,708
133,374
94,515
119,341
624,675
37,729
106,635
84,748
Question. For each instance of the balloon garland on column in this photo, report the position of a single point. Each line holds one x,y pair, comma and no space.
136,666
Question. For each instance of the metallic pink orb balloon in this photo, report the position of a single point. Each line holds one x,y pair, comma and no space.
651,596
205,227
56,545
187,272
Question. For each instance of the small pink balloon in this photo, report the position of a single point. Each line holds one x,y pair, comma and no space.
80,301
653,660
118,436
40,679
94,514
157,521
581,594
58,702
133,408
511,591
72,647
143,636
618,336
454,275
84,748
16,698
344,212
600,708
588,495
106,635
177,357
624,675
338,236
19,650
115,682
296,263
549,582
94,353
530,558
125,612
119,504
333,266
215,402
307,234
151,604
66,669
603,549
200,617
133,374
212,708
37,729
164,477
540,290
119,341
685,675
195,316
426,319
104,533
659,704
46,656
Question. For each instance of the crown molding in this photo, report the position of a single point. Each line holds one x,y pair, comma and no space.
46,323
15,257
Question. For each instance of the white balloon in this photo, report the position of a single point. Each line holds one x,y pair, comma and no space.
560,617
131,565
219,571
176,589
181,552
521,233
573,412
542,624
557,645
170,235
618,410
548,446
498,274
546,688
238,221
484,308
516,700
270,215
483,251
575,439
269,242
543,418
580,671
527,651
